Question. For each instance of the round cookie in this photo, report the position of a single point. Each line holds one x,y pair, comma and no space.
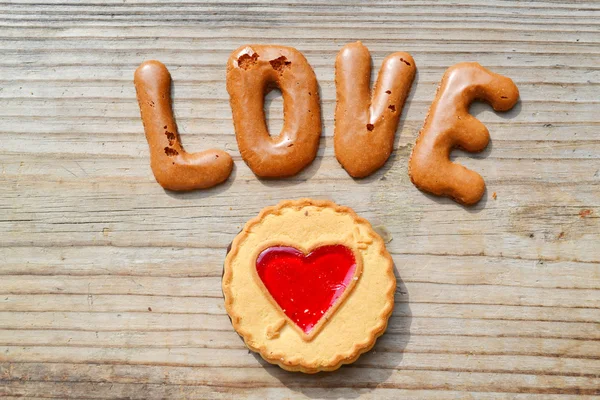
309,285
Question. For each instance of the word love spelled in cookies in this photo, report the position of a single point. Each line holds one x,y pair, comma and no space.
449,125
365,123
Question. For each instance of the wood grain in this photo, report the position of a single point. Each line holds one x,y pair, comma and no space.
110,286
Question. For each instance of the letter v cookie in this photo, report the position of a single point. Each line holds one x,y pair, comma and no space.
449,125
365,123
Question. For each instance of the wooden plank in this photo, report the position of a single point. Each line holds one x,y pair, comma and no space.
110,287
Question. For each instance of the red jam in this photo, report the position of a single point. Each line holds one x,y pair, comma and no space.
305,287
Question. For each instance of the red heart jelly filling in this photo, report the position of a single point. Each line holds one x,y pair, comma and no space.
306,286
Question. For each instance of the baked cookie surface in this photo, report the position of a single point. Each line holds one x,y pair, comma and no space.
309,285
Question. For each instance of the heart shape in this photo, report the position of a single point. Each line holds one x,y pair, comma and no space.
306,287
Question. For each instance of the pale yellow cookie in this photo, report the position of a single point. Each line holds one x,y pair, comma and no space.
309,285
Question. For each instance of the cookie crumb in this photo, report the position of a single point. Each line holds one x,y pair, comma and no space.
561,235
494,196
585,213
149,308
246,61
306,213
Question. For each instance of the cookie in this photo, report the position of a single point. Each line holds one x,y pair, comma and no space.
173,167
309,285
449,125
252,71
365,123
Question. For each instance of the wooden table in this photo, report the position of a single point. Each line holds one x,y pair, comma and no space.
110,286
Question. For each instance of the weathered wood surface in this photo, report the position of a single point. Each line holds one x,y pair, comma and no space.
110,286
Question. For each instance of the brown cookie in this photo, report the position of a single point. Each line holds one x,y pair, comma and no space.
173,167
309,285
449,125
252,71
365,123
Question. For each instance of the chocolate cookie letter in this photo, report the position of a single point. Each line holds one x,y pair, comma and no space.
365,123
252,71
449,125
173,168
